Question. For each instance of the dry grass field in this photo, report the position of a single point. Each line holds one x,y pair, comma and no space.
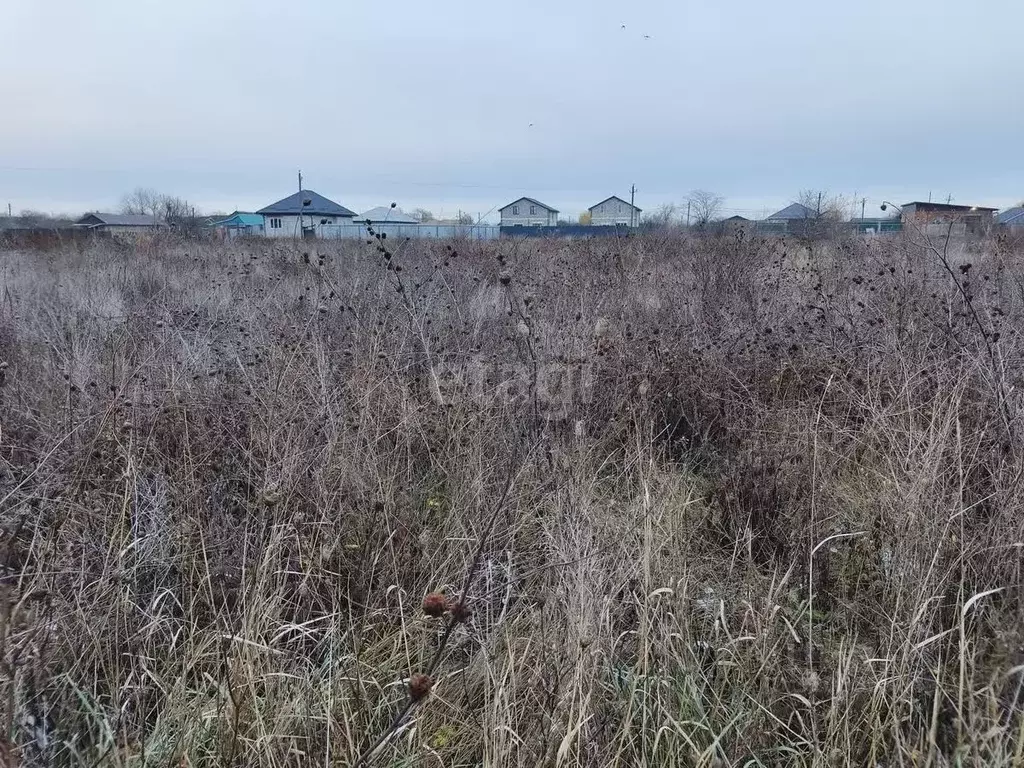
689,502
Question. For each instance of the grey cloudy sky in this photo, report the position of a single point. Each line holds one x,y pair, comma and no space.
432,103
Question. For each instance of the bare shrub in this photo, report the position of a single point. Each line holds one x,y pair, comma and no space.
723,501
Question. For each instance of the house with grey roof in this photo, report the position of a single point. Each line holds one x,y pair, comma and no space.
385,214
794,219
614,211
735,225
527,212
121,224
303,214
1011,218
794,212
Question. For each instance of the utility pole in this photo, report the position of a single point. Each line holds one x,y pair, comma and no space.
863,202
688,214
632,207
8,210
818,212
301,225
949,199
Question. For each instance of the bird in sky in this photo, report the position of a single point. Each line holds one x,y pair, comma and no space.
623,26
647,37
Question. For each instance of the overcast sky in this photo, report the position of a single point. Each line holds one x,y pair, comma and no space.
465,105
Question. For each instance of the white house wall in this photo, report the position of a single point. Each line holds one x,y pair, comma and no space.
612,212
540,218
290,226
121,232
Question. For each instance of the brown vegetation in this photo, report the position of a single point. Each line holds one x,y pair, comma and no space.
651,501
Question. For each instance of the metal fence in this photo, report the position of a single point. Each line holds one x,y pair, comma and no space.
413,231
567,231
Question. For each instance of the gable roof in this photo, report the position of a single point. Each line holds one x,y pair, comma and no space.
737,218
614,197
1014,215
529,200
118,220
318,206
794,211
387,215
239,219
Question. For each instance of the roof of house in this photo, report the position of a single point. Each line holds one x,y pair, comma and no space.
318,206
387,214
239,219
791,212
529,200
118,220
1015,215
737,218
946,206
613,197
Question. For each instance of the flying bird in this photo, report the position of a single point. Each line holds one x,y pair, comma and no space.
647,37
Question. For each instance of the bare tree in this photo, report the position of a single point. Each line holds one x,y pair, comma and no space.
422,214
141,201
828,212
30,218
704,207
175,211
466,219
825,205
665,215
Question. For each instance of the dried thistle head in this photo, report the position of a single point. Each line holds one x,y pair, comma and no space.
461,612
419,686
435,604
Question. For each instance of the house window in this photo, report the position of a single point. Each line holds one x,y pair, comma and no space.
533,210
275,223
515,210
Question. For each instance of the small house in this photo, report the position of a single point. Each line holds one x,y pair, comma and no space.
942,219
527,212
303,214
239,224
384,214
1012,219
734,225
614,212
797,212
121,224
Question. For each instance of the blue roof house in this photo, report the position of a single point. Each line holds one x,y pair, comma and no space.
240,224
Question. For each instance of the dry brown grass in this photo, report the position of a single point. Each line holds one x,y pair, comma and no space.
764,504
